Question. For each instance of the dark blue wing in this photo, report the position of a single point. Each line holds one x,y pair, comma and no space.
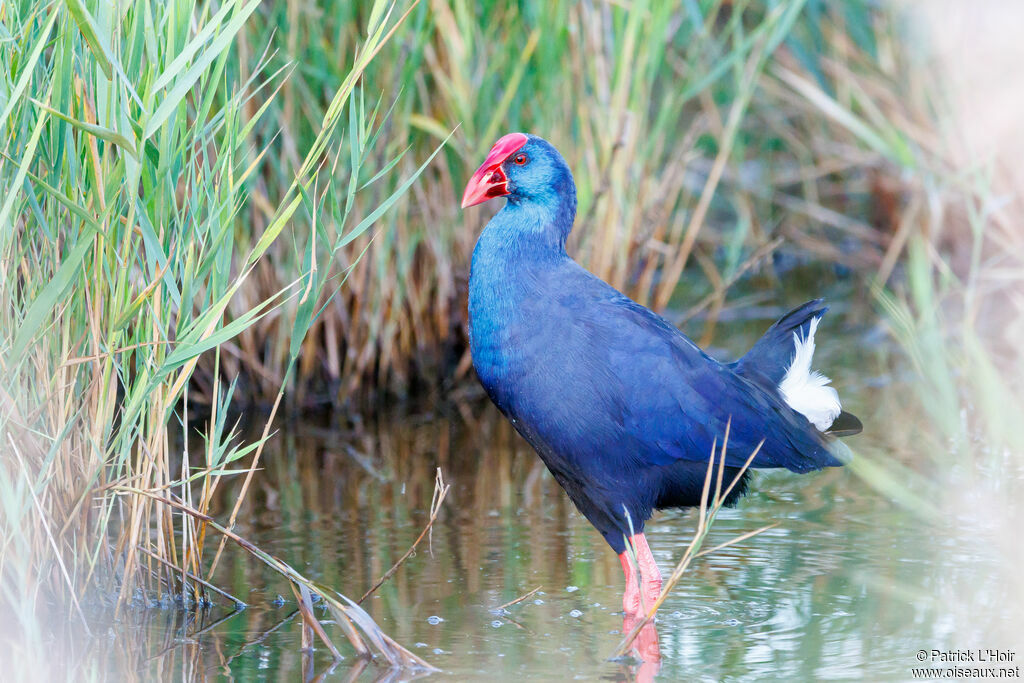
680,400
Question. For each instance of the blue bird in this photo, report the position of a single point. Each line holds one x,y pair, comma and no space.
620,405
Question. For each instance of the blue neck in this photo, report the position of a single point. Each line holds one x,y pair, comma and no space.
533,227
516,249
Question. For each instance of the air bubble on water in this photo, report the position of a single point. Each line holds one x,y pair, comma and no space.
571,589
497,623
434,620
575,614
538,601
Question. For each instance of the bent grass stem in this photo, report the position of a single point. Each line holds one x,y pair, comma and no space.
440,493
346,614
704,523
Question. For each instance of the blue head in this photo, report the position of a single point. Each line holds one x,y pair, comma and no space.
530,173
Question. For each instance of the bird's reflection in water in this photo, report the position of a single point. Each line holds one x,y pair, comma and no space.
644,649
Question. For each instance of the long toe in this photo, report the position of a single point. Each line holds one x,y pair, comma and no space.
631,598
651,591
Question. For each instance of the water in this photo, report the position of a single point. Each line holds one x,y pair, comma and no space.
848,586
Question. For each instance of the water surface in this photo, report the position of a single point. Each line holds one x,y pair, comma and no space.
850,585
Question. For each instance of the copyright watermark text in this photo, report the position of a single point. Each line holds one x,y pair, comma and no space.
973,663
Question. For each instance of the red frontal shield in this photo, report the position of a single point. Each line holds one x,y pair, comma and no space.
489,180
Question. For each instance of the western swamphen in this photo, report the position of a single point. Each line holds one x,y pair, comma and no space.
622,407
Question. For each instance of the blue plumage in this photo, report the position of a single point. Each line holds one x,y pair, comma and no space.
622,407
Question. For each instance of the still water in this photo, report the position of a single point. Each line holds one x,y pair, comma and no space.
850,585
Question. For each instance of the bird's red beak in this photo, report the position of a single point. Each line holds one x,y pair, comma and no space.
489,181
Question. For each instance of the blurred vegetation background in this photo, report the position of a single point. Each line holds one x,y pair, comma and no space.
703,137
212,205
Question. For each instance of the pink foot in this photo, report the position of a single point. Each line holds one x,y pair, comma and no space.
643,583
643,587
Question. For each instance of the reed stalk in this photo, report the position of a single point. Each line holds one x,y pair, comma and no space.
136,145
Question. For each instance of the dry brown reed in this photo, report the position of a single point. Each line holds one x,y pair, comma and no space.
696,160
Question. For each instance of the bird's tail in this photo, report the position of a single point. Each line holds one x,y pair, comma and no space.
780,361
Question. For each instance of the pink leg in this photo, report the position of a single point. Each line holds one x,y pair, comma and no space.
631,597
640,595
637,598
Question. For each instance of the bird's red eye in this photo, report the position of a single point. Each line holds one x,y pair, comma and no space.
520,159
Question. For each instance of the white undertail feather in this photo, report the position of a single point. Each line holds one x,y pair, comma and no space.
807,391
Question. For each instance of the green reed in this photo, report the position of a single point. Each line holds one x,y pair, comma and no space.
135,140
